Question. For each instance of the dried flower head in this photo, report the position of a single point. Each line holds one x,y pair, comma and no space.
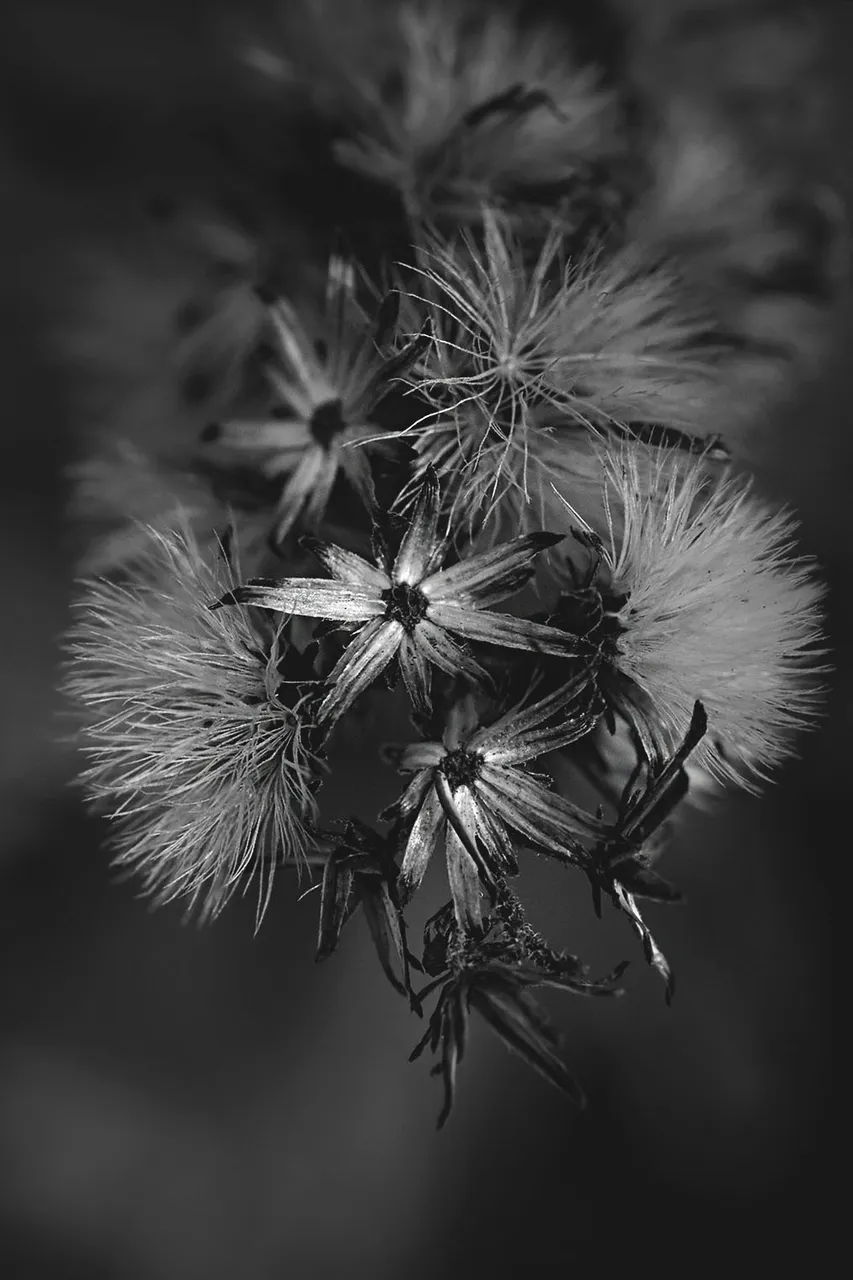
413,608
325,391
481,108
494,320
360,871
526,360
620,864
595,338
200,749
701,596
472,789
490,363
635,347
494,974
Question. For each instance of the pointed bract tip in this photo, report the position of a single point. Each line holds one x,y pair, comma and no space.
228,598
699,720
670,985
586,537
308,542
545,539
430,479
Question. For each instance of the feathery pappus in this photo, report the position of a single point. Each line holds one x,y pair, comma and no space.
479,326
525,363
200,748
701,596
482,107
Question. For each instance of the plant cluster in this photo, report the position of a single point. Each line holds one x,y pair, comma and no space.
489,469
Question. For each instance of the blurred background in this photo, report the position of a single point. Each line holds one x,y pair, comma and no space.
179,1103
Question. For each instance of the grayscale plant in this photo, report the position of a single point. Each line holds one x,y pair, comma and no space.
490,337
413,608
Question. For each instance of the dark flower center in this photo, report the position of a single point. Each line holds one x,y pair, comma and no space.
591,613
327,422
406,604
611,627
461,767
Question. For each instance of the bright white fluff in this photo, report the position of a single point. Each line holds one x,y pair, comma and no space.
200,754
717,608
529,361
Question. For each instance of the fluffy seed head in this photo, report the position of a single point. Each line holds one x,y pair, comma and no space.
199,751
712,604
494,319
529,363
495,346
480,107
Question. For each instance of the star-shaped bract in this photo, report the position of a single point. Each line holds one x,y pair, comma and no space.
413,609
472,788
326,393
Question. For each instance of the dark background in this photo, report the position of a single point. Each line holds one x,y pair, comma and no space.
177,1103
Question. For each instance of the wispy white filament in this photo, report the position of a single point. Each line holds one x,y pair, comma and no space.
206,772
719,608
